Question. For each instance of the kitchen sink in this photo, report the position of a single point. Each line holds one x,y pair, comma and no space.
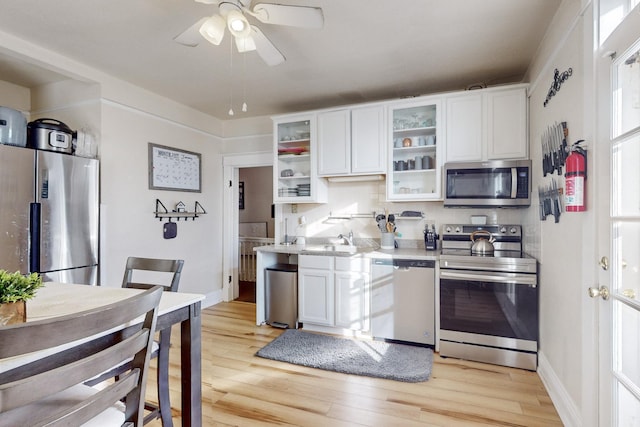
331,248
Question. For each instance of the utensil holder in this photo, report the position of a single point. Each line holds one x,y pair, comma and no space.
387,240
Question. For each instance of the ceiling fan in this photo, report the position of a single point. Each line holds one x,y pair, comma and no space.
233,15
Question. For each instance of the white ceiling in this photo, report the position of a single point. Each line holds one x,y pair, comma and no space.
368,49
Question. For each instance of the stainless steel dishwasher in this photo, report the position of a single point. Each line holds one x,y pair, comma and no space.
403,300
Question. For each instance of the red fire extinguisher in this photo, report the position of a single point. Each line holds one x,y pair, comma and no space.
575,179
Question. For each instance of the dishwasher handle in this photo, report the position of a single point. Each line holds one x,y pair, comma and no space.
406,263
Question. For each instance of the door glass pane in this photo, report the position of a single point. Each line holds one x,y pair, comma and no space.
612,12
628,408
627,259
628,342
626,92
626,177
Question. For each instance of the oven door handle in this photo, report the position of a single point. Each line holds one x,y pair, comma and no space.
481,276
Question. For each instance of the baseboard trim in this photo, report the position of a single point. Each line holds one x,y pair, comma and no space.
567,409
212,298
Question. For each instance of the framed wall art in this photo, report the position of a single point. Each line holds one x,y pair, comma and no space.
174,169
241,195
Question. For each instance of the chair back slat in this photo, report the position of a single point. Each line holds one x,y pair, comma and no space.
93,341
172,266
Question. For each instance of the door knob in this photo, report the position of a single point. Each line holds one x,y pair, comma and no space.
604,263
603,292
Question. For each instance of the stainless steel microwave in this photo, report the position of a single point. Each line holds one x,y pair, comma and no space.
495,183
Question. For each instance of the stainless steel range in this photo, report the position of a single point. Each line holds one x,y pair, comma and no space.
489,302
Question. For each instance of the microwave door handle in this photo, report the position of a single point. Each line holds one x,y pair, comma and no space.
514,182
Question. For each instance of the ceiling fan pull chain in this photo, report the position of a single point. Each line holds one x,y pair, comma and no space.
244,83
231,75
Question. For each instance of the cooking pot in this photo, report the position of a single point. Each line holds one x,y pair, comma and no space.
50,134
482,246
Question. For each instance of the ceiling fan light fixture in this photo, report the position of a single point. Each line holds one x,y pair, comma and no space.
213,29
245,44
238,24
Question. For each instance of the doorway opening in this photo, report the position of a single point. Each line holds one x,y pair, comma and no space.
255,224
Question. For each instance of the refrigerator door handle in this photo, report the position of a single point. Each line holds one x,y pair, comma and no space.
34,236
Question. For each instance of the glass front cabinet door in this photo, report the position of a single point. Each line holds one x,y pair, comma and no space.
414,171
295,172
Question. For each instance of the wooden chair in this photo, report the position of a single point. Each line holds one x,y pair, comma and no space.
50,389
161,351
166,273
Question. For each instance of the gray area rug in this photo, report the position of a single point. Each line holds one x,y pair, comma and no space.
351,356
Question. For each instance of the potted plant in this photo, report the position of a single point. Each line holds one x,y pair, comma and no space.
15,290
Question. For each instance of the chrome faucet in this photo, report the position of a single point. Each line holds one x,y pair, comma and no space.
348,239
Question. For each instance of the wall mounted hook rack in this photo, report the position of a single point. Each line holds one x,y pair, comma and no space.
162,212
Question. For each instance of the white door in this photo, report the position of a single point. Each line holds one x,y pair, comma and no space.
619,227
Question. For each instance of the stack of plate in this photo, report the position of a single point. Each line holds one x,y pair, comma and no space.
288,192
304,189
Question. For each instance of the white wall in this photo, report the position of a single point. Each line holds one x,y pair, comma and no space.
14,96
561,248
127,118
128,224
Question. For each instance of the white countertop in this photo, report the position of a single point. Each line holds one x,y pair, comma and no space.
402,253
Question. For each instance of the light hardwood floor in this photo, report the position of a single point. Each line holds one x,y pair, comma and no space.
240,389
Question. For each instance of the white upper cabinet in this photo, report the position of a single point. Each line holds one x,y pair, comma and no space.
464,127
351,141
415,143
334,143
295,173
507,130
368,147
487,124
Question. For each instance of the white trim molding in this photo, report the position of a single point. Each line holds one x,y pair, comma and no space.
567,409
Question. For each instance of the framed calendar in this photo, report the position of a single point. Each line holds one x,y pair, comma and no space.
174,169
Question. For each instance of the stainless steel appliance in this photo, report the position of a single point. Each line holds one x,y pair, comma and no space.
50,134
488,303
282,295
49,214
13,127
498,184
403,300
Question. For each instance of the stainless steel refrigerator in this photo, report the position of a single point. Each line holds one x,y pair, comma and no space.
49,214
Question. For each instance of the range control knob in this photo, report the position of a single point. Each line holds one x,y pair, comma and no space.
448,229
513,230
503,230
458,230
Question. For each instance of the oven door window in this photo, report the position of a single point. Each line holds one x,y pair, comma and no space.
500,309
479,183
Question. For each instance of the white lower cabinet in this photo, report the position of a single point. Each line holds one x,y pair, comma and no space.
316,290
352,281
334,291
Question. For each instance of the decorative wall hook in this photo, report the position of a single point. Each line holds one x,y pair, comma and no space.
558,80
180,212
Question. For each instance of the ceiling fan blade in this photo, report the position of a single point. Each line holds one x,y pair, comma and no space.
207,1
267,51
191,36
294,16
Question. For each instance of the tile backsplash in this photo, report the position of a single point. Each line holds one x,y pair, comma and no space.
366,199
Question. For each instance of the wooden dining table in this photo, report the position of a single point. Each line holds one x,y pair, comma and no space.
58,299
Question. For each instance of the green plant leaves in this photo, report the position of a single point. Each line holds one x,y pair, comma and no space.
17,287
